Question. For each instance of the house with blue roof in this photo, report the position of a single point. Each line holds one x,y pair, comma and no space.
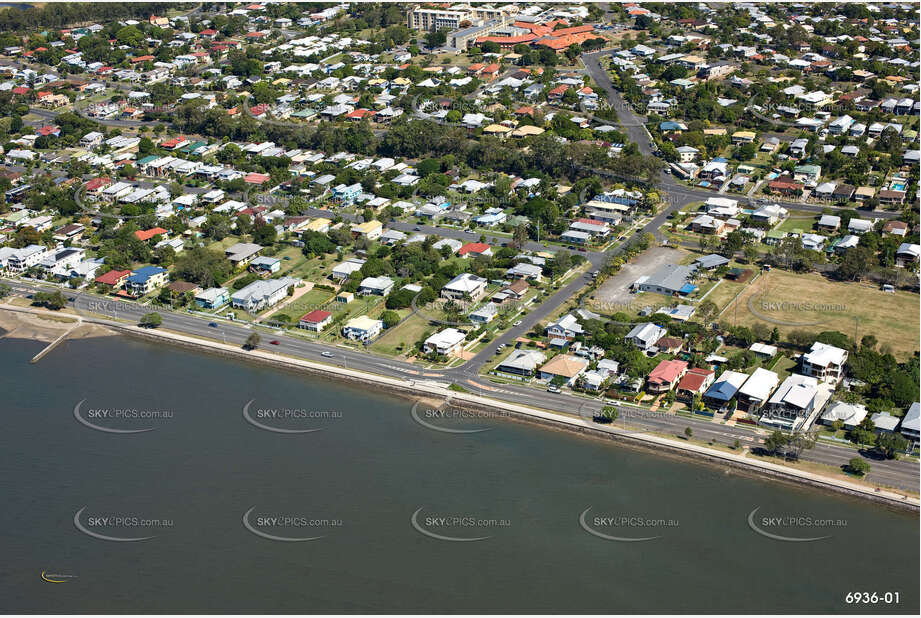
724,389
145,280
672,126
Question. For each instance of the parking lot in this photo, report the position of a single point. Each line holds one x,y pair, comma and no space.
616,290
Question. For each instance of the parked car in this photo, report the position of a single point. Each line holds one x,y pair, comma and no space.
516,323
554,389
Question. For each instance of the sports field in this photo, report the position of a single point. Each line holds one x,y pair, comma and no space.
813,303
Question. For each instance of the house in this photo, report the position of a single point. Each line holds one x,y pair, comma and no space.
724,389
316,320
910,424
145,279
756,390
212,298
474,249
567,327
850,414
669,279
145,235
695,382
665,376
242,253
885,422
896,228
829,223
464,286
786,186
376,286
907,254
859,226
444,342
265,265
711,261
825,362
522,363
645,336
564,367
527,271
705,224
262,294
362,328
371,230
792,404
114,279
344,269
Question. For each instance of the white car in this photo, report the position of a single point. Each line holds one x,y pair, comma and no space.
516,323
326,354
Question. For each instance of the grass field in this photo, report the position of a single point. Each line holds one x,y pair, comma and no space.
400,340
814,304
314,299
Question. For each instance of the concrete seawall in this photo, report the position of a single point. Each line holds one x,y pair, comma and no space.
429,389
421,388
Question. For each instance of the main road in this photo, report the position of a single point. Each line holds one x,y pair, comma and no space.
894,473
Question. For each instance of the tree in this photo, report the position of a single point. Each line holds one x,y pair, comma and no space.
855,263
775,442
151,320
520,236
252,342
50,300
390,319
688,432
891,444
858,466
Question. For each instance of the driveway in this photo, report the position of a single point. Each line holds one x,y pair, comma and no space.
615,291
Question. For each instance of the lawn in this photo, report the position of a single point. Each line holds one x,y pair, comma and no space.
812,303
314,299
400,339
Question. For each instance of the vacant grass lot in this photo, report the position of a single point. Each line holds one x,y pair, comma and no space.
812,303
401,339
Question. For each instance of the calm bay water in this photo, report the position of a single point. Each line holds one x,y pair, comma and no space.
357,483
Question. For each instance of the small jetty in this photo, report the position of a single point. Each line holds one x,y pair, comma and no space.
56,342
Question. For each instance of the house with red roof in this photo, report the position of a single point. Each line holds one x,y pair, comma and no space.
48,129
21,90
146,58
695,382
114,279
259,110
360,114
558,92
98,184
316,320
475,249
146,235
255,178
666,374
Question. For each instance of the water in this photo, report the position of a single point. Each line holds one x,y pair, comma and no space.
363,476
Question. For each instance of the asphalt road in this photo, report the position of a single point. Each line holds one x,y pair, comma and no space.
894,473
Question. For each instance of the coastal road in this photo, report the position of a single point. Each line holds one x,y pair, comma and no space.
895,473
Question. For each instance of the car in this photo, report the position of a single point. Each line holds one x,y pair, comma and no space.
326,354
554,389
516,323
212,324
275,342
417,229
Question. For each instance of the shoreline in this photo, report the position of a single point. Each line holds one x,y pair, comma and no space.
429,390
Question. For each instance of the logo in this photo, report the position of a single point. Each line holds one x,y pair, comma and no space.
121,414
284,521
622,522
423,526
802,522
450,413
114,521
251,416
56,578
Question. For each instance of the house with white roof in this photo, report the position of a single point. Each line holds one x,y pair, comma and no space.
645,336
825,362
792,404
444,342
756,390
464,286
